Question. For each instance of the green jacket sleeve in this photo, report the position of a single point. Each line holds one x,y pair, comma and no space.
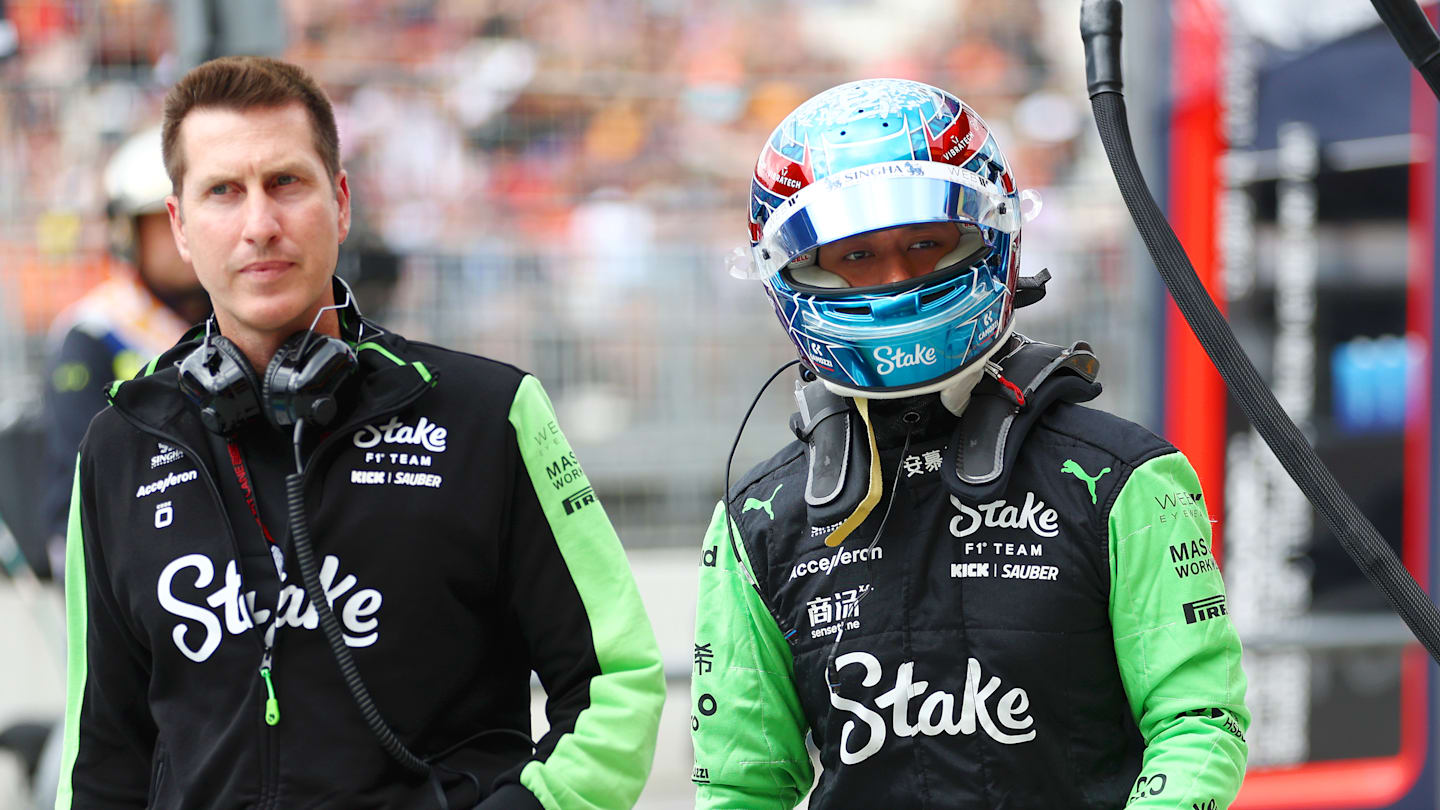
1178,652
589,638
746,720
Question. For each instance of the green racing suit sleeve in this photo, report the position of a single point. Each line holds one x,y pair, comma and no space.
747,724
598,660
1178,653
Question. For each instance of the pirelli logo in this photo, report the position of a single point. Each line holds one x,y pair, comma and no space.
580,500
1202,609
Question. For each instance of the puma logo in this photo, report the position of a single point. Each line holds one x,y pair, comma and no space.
1076,470
755,503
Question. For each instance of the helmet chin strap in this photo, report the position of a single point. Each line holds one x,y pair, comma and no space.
844,484
956,394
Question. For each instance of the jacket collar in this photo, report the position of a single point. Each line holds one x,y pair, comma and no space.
386,379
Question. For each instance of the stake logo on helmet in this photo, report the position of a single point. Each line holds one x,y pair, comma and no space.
876,154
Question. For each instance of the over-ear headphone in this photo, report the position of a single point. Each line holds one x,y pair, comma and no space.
299,384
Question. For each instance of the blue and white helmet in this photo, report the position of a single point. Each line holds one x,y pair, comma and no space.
876,154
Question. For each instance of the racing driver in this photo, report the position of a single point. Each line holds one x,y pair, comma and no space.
969,589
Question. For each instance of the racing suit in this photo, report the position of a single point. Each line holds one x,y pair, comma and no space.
461,547
1065,645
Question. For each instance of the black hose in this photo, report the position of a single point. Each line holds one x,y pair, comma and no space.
1100,28
1412,29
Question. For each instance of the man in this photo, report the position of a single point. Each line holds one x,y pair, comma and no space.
114,329
431,497
971,591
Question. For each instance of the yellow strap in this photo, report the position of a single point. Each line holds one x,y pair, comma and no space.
872,497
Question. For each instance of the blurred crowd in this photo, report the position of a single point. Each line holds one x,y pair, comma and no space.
593,130
556,184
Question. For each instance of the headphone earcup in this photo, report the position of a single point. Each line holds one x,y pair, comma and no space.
303,377
283,365
218,378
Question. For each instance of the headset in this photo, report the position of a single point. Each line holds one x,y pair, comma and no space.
299,384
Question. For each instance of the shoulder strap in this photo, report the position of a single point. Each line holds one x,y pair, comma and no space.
1028,377
836,451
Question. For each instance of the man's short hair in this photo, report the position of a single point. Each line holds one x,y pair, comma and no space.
244,83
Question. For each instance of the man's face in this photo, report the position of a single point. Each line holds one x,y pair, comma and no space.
894,254
258,217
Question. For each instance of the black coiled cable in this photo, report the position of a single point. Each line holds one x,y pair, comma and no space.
310,576
335,637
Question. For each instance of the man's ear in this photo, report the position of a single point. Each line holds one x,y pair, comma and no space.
342,199
177,226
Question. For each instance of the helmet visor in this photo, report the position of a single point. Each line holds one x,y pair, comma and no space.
882,195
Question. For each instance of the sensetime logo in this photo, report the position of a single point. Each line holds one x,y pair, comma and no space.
1003,718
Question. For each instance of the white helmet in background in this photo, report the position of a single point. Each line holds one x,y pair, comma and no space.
135,178
136,186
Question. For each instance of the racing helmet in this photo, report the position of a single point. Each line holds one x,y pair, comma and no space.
866,156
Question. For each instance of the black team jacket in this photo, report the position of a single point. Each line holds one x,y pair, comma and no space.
460,546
